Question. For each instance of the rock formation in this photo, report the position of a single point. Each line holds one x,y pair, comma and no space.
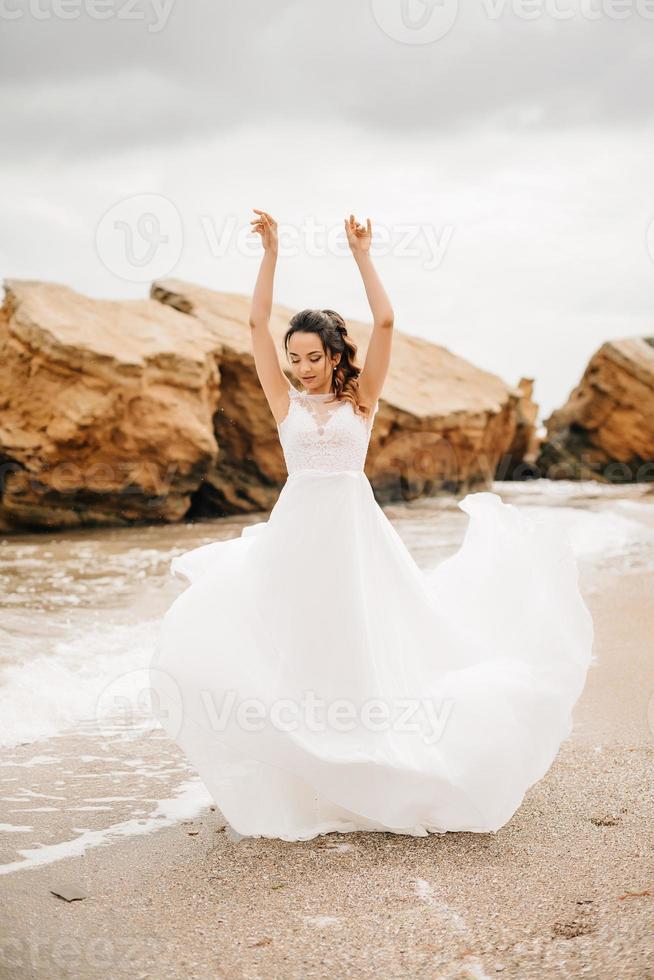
605,431
151,410
105,409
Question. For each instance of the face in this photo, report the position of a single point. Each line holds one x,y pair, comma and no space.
310,363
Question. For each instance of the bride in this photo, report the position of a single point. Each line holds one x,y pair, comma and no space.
314,675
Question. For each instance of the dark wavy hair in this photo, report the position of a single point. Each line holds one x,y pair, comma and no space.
330,327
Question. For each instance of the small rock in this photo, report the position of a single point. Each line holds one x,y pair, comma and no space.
69,892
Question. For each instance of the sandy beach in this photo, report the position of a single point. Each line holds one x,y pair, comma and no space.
443,213
566,888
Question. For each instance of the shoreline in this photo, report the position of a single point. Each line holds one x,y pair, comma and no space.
560,890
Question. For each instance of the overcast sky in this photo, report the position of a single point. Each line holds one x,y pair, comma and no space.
504,154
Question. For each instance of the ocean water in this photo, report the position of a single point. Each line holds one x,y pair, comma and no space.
80,612
80,609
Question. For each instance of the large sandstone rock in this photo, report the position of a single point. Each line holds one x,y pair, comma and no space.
443,424
605,431
105,409
114,412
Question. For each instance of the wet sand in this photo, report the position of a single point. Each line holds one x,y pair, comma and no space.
565,889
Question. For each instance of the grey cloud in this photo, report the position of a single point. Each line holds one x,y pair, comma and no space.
90,86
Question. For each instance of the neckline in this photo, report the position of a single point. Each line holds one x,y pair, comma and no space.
318,394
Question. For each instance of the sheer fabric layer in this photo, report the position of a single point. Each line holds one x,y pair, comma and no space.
323,605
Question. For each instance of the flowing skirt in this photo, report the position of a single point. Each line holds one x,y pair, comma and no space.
319,680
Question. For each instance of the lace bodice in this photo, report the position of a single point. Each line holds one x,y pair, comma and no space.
321,434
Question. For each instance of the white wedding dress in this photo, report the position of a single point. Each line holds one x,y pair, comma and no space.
319,680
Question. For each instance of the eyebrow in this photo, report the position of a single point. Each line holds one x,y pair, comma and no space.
293,354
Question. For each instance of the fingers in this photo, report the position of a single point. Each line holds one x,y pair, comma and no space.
264,216
358,228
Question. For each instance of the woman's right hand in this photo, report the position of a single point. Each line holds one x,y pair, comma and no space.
266,226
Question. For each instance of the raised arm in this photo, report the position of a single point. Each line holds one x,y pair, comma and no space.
378,355
269,371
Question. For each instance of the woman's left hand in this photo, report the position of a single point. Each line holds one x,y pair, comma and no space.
358,237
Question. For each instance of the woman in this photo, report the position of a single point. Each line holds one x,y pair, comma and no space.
317,678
